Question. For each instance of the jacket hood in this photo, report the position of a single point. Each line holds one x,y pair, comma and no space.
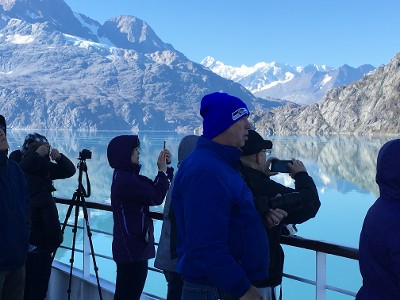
119,151
187,145
387,170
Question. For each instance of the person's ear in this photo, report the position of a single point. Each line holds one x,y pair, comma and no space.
258,160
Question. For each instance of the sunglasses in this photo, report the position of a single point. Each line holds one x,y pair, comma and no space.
266,151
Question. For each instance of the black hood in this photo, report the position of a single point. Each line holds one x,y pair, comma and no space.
119,151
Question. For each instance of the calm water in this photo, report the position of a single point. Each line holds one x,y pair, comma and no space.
343,169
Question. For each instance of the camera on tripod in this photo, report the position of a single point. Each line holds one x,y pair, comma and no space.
85,154
287,202
78,201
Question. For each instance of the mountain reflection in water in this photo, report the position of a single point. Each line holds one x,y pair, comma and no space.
342,167
341,163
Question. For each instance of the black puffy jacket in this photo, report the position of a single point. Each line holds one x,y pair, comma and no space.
262,186
39,171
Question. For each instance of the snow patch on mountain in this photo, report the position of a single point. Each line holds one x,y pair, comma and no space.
302,85
20,39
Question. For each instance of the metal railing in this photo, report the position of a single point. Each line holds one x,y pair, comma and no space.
321,249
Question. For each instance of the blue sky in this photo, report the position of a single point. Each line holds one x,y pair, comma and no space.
236,32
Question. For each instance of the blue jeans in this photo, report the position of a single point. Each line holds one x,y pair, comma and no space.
194,291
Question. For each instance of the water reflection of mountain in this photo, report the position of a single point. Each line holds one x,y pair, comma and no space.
343,169
341,162
72,142
347,162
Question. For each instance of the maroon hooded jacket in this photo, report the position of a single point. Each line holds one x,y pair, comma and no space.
131,196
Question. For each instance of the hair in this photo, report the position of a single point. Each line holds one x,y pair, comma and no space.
137,143
248,160
33,141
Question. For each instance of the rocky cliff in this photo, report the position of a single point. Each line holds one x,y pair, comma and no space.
370,106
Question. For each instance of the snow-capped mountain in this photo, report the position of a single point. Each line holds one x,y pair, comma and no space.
369,106
60,69
302,85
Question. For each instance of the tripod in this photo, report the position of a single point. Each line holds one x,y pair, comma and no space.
78,200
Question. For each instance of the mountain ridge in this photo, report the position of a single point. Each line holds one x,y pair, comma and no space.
51,78
299,84
368,106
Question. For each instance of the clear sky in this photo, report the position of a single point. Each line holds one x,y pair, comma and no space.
295,32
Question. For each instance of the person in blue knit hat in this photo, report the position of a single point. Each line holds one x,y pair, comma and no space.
14,223
222,246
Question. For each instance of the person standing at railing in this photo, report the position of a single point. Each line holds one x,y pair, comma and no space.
41,165
14,223
166,253
222,246
132,195
256,172
379,247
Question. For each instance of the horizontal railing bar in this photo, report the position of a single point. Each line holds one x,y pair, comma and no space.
319,246
101,206
153,296
295,241
81,251
301,279
69,248
312,282
339,290
155,270
77,226
101,231
103,256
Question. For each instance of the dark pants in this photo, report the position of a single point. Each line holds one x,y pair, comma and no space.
38,270
130,280
12,284
175,285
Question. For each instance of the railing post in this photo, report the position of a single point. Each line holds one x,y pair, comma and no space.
86,249
320,276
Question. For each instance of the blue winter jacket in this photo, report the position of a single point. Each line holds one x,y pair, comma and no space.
131,196
221,239
14,210
380,236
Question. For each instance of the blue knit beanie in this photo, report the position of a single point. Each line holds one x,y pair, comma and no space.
220,111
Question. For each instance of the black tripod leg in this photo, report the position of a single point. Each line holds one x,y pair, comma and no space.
67,215
74,230
89,234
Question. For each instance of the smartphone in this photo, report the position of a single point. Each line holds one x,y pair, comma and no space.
280,166
164,144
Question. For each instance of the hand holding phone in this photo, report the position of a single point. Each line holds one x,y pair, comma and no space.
280,166
168,154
